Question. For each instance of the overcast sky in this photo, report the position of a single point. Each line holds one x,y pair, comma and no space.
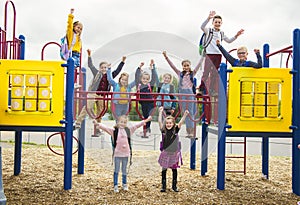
264,21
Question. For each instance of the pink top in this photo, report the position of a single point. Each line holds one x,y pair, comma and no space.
122,149
186,82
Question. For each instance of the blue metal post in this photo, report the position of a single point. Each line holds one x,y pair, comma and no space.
296,114
265,139
193,149
266,61
81,137
222,110
69,125
22,47
193,140
18,152
204,148
265,156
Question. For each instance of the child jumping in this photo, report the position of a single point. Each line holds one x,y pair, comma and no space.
142,79
170,148
122,148
186,87
166,87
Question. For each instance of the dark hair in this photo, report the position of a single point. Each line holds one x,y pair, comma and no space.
217,17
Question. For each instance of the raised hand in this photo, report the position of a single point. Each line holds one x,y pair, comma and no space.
211,14
89,52
165,54
123,58
72,11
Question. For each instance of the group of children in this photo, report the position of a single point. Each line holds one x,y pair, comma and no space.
103,80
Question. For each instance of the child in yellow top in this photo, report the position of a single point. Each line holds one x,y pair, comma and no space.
74,30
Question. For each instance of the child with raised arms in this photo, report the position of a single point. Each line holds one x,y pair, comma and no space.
121,134
170,148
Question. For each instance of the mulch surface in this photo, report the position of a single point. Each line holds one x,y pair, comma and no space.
42,174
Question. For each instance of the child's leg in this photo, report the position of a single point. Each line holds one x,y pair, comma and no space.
100,108
163,180
146,110
117,169
174,182
124,170
89,106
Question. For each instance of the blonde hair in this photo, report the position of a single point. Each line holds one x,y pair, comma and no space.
77,23
243,48
168,74
119,118
169,118
145,73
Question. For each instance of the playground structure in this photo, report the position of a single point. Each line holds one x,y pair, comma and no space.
14,118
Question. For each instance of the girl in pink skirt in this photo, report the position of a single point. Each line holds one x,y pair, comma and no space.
170,147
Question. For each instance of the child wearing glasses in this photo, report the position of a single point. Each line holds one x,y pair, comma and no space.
242,54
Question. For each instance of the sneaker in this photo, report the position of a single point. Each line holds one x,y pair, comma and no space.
125,187
77,125
116,189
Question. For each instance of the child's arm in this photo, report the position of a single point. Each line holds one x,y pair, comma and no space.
154,76
170,63
183,119
160,120
137,125
228,57
210,16
105,128
90,63
230,40
110,78
138,74
69,33
259,60
119,68
198,65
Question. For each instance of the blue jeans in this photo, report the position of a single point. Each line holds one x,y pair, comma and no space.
190,106
118,161
120,109
76,58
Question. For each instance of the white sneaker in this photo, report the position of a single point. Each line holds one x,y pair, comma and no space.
116,189
125,187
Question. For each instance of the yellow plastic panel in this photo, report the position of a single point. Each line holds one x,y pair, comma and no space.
30,92
30,105
259,86
259,111
17,92
272,111
33,71
31,80
247,99
44,93
246,111
272,99
44,105
259,99
17,80
265,81
44,81
247,87
17,104
273,87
